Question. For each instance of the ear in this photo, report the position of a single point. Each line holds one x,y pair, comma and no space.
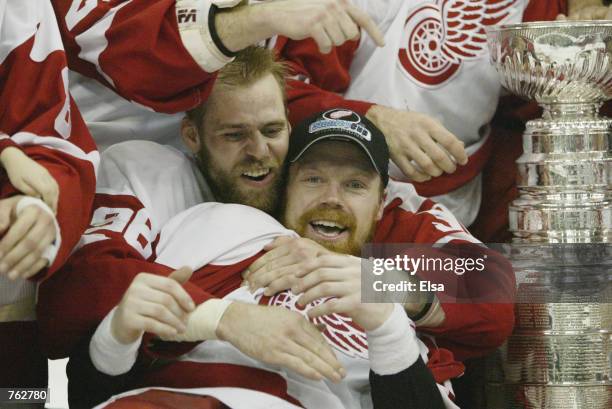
190,136
381,206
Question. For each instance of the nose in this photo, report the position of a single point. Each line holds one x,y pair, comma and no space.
258,147
332,195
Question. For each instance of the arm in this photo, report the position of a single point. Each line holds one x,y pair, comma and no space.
110,41
318,80
114,250
317,84
469,327
399,378
40,118
183,43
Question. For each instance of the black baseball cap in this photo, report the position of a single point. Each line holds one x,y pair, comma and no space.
344,125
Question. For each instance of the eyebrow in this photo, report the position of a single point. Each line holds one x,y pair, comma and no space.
241,126
361,168
232,126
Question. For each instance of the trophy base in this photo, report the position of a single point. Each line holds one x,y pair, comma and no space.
540,357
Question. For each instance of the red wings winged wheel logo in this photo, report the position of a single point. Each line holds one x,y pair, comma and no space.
340,331
439,36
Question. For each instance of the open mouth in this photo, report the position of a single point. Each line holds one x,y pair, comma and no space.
257,175
327,229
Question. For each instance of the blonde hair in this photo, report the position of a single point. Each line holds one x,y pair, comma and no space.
250,65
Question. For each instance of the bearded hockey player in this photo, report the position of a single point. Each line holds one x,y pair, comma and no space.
250,231
434,62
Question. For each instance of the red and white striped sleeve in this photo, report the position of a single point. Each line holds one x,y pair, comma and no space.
470,328
39,116
160,54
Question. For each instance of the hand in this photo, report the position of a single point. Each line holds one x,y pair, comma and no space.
413,136
277,336
329,22
275,271
28,236
29,177
339,276
587,10
154,304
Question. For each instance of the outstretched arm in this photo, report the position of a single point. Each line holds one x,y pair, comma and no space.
183,43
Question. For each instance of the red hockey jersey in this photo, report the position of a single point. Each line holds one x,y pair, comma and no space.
136,48
38,115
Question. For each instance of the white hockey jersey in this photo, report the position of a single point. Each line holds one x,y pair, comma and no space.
436,61
214,234
38,116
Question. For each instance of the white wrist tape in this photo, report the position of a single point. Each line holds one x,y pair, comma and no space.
393,346
192,19
203,321
108,355
51,251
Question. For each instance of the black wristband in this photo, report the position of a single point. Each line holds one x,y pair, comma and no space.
425,309
412,388
212,28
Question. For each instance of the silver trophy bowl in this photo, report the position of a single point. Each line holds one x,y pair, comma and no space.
555,62
560,355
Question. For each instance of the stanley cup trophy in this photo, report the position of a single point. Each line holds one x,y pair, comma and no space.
560,354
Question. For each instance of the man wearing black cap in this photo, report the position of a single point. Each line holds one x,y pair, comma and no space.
336,180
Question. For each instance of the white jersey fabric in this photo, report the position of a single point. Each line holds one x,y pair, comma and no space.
164,179
196,232
227,234
112,119
435,61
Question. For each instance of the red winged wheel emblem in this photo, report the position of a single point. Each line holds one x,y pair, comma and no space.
340,331
440,35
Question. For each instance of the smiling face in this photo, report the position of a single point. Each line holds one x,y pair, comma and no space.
245,135
334,196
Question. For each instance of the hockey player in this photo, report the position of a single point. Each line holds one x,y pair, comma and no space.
434,62
346,183
40,123
393,348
